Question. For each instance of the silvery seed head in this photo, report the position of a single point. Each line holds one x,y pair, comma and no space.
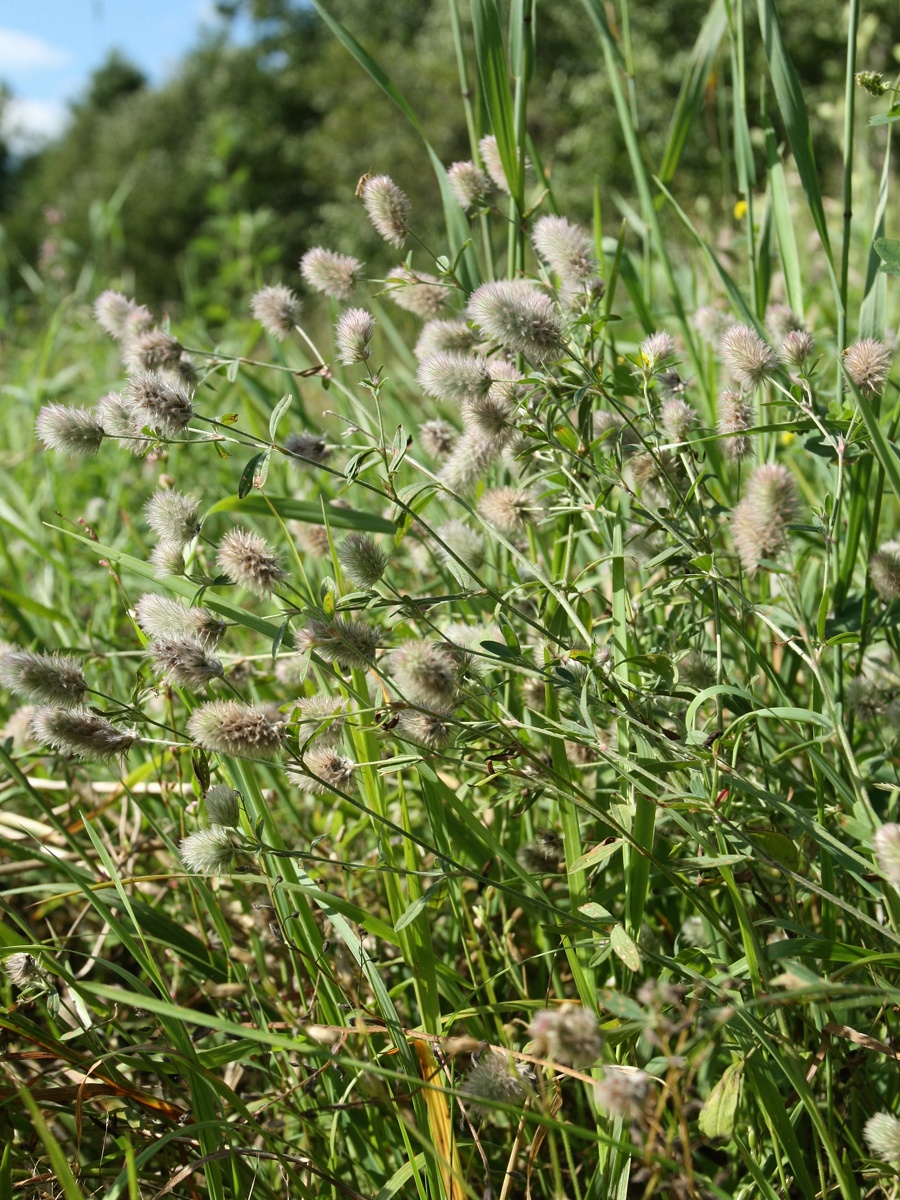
184,662
445,335
223,806
242,730
154,350
388,209
123,420
173,516
566,249
622,1091
163,404
418,292
887,852
736,418
22,969
111,312
546,852
470,185
759,523
437,438
882,1134
308,447
429,729
454,377
208,851
796,347
77,431
162,617
568,1035
167,558
331,273
884,570
324,770
353,335
496,1078
868,364
277,309
343,640
677,419
44,678
426,673
248,561
363,562
517,317
493,163
747,356
83,733
509,509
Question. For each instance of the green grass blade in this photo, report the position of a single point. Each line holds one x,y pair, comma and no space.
693,88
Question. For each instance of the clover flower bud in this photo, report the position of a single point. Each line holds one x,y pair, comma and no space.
884,569
882,1134
44,678
362,561
167,558
162,617
309,446
470,185
495,1078
208,851
677,418
872,82
22,969
695,671
622,1091
173,516
416,291
455,377
546,852
123,420
868,364
711,323
323,770
493,163
566,249
223,806
331,273
388,209
111,312
513,314
887,852
746,356
759,523
796,347
343,640
353,333
78,731
736,417
437,438
508,509
77,431
277,309
462,543
568,1035
164,405
429,729
328,717
184,662
154,350
426,673
249,562
444,335
242,730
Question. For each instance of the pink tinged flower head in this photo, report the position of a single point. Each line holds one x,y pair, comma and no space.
780,320
277,309
154,350
353,335
324,770
469,184
163,405
426,673
343,640
83,733
796,347
461,545
167,558
437,438
449,375
429,729
887,852
418,292
323,718
248,561
444,335
759,523
474,453
622,1091
76,431
736,418
517,317
884,570
22,969
882,1134
567,249
568,1035
208,851
44,678
677,419
498,1079
868,364
655,350
493,163
173,516
747,356
241,730
184,662
331,273
388,209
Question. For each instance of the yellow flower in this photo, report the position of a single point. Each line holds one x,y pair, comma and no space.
740,210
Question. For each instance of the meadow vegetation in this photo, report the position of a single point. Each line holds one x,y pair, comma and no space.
451,704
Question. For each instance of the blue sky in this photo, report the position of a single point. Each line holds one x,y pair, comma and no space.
48,48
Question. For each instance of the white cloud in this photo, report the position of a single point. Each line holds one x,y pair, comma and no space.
29,123
24,52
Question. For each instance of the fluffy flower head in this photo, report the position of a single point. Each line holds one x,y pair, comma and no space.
331,273
388,209
248,561
242,730
277,309
77,431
